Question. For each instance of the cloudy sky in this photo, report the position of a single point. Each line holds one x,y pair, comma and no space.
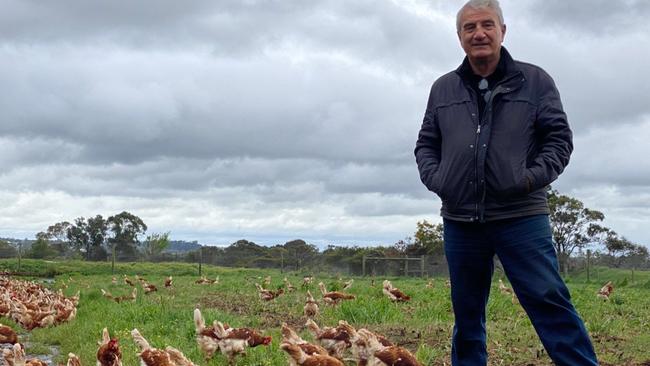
272,120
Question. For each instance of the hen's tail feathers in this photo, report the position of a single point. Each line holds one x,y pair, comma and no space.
313,327
219,330
177,357
199,323
139,340
105,336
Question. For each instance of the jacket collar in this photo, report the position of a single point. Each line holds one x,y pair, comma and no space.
505,68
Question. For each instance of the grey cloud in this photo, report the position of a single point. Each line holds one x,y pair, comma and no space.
35,21
151,109
20,152
593,18
283,180
613,154
598,78
389,205
375,32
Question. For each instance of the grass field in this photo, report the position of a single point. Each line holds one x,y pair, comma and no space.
620,328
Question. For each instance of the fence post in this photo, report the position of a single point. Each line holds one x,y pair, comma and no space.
20,249
200,259
588,259
422,267
113,259
363,266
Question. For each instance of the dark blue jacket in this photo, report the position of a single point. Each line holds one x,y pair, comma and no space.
498,167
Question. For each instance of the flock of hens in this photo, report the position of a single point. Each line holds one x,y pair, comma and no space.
367,348
31,305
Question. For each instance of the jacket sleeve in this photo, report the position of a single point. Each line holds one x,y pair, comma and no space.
553,135
428,145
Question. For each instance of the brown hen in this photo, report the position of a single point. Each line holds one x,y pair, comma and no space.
155,357
394,293
334,340
333,297
8,335
109,353
311,306
233,341
291,337
299,357
386,356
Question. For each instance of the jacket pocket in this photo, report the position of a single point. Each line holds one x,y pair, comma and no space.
435,183
508,179
453,185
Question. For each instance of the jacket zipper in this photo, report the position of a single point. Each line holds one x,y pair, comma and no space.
497,90
478,134
478,215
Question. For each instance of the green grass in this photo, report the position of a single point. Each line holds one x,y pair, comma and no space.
620,277
619,327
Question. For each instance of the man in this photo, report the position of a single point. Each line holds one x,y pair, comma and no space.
494,136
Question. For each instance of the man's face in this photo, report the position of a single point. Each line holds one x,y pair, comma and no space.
481,33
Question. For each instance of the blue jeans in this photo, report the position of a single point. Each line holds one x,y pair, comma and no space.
525,248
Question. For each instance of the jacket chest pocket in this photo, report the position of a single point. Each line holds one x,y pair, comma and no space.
513,117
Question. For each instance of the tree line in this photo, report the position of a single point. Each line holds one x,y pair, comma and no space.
95,239
123,237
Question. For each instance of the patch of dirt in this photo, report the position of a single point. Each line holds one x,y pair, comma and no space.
271,315
275,320
433,336
235,305
606,338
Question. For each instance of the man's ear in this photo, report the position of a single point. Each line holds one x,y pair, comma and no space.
503,32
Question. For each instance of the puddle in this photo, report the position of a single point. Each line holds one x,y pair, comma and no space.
48,358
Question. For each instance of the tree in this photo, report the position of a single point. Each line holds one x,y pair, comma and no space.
638,256
125,228
339,258
242,253
7,250
622,250
155,243
78,236
405,246
429,237
574,226
299,253
57,236
41,249
58,231
97,230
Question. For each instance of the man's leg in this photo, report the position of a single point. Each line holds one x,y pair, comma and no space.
525,248
470,260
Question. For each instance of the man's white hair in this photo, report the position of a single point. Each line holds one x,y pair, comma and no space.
480,4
